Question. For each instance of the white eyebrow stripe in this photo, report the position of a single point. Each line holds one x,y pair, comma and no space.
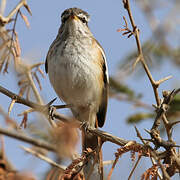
83,16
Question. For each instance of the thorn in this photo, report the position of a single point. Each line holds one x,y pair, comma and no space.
155,106
177,91
26,112
63,106
136,61
28,9
174,123
48,104
172,92
136,129
162,80
149,132
11,106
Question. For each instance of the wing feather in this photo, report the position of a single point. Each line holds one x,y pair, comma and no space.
101,114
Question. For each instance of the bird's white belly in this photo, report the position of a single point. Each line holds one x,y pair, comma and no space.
75,80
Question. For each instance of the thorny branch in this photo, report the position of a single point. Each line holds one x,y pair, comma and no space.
161,107
136,147
36,107
45,110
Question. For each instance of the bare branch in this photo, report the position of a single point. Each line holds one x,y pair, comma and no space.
44,158
27,139
41,108
134,167
5,20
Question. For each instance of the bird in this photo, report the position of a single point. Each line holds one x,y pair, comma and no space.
77,69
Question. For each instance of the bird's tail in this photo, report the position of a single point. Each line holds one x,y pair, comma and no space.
91,168
89,141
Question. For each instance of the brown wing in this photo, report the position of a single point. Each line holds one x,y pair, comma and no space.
101,114
50,51
46,66
48,55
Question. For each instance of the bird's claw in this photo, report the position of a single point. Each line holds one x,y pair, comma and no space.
52,109
84,126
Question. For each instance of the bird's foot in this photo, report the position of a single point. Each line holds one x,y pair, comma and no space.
85,126
52,109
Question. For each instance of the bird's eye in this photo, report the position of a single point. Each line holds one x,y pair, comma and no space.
83,19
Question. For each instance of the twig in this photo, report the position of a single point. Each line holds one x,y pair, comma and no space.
44,158
112,168
5,20
109,162
35,65
151,152
2,6
134,167
155,84
41,108
164,172
44,109
26,112
27,139
13,29
139,135
11,106
105,136
157,140
158,173
168,96
100,159
34,88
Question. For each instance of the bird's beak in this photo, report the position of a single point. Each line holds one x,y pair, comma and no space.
73,17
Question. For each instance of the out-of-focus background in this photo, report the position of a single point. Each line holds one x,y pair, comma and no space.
131,96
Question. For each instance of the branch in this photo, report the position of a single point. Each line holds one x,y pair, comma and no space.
27,139
168,97
44,158
41,108
108,137
132,171
5,20
155,84
34,88
161,107
45,109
